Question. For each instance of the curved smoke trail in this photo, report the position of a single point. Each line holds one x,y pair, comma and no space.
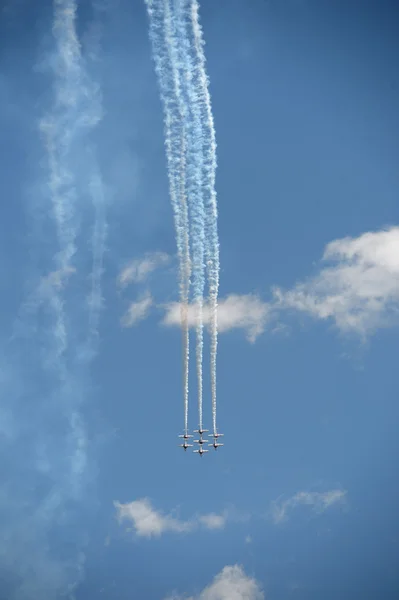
175,152
46,445
54,470
76,109
211,238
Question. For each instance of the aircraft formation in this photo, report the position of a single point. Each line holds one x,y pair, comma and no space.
201,441
178,52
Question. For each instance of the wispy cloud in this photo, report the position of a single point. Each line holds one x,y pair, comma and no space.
137,311
231,583
359,291
357,287
139,269
213,521
247,312
317,501
149,522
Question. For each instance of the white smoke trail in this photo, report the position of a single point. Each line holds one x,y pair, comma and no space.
98,248
211,239
185,279
183,67
62,459
47,443
180,134
61,129
174,143
96,184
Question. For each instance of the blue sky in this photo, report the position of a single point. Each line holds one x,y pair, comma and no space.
96,497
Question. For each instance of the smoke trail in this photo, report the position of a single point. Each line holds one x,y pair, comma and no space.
185,279
183,64
45,453
211,239
62,128
46,449
181,127
98,247
96,184
174,143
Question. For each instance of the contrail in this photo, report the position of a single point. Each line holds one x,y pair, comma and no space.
97,190
46,447
60,452
181,128
98,247
69,116
211,213
175,146
61,130
182,66
185,279
46,451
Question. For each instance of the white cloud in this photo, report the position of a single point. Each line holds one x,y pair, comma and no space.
246,312
137,311
149,522
359,291
357,288
318,501
213,521
139,269
230,584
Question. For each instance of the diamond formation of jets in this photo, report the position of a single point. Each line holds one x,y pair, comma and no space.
201,441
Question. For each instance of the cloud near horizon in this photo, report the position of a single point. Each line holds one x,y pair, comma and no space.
318,501
231,583
148,522
139,269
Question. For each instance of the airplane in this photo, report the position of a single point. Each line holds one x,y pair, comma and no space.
201,431
185,445
200,441
186,436
217,435
215,444
200,451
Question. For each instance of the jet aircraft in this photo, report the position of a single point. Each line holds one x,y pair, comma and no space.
200,451
217,435
185,445
215,444
201,431
200,441
186,436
